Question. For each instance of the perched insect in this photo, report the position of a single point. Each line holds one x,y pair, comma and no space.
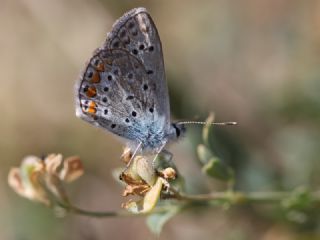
123,87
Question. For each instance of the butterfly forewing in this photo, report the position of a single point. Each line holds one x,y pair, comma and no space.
136,33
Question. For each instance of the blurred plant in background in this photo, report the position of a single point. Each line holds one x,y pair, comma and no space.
255,62
42,181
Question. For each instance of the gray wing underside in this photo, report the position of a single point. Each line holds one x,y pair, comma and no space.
117,94
136,32
123,87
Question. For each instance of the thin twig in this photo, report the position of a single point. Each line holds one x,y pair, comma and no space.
238,198
230,197
102,214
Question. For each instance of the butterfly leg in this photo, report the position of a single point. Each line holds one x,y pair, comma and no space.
132,157
165,161
165,154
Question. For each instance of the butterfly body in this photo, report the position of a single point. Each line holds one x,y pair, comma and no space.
123,87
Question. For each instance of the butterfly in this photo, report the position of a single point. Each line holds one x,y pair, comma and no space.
123,86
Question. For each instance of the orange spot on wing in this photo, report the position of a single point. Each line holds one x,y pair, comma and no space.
92,108
100,67
95,78
92,92
92,104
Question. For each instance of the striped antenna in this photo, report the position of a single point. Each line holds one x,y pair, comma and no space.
211,123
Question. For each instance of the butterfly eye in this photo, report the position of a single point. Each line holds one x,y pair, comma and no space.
127,120
135,51
151,110
177,131
134,114
104,99
105,111
113,125
151,48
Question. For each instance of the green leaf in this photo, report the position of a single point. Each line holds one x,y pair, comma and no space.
204,153
300,199
156,221
164,160
206,129
216,169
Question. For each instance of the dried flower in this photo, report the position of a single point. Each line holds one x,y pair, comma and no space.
144,181
168,173
42,180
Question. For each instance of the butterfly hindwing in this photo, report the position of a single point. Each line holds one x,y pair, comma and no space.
114,93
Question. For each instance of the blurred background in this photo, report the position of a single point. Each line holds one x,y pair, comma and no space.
254,62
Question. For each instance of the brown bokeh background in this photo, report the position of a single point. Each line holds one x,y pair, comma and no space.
254,62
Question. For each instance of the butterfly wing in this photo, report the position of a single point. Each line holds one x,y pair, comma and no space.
123,87
136,32
114,93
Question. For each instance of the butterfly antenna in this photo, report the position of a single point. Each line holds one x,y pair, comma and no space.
211,123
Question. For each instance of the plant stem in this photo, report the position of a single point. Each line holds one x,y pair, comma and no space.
234,197
238,198
98,214
230,197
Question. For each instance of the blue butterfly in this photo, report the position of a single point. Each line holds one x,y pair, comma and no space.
123,88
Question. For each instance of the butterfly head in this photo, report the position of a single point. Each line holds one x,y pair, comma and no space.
179,130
